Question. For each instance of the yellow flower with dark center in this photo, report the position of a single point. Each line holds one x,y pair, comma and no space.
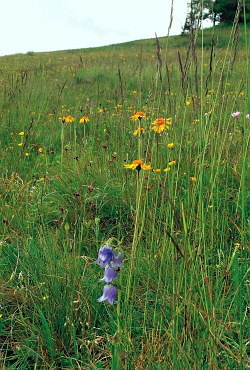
138,165
138,116
139,130
159,125
84,119
68,119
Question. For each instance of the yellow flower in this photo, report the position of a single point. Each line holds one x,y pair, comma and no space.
138,165
171,163
193,179
170,145
40,150
146,167
67,119
139,130
166,169
20,144
27,154
21,133
159,125
84,119
138,116
157,170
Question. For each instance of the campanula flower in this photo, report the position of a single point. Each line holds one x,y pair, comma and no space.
105,256
109,293
109,275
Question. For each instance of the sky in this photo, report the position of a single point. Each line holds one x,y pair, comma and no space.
49,25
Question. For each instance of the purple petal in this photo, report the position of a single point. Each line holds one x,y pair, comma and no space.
109,293
117,260
109,275
105,256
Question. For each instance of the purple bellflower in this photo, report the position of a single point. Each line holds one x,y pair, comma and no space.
109,275
111,264
105,256
109,293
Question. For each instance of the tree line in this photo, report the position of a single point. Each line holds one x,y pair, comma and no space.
217,11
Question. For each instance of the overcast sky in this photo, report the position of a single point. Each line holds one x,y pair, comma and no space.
47,25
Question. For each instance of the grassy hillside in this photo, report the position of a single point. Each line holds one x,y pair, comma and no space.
142,146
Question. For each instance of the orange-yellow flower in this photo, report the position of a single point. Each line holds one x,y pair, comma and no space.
67,119
138,165
193,179
84,119
139,130
138,116
171,163
159,125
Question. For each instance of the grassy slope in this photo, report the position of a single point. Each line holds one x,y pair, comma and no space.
178,310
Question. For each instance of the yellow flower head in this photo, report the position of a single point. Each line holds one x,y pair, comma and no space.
170,145
138,116
84,119
40,150
193,179
159,125
139,130
157,170
21,133
171,163
67,119
138,165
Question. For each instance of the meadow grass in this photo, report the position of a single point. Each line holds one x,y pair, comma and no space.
183,285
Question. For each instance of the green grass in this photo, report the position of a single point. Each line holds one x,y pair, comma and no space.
184,233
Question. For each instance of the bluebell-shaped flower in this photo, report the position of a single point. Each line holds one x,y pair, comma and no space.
105,256
117,260
109,293
109,275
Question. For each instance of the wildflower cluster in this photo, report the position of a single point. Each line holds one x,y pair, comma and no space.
111,264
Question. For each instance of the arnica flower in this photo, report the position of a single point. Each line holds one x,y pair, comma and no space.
21,133
235,114
84,119
171,163
193,179
167,169
138,116
138,165
139,130
170,145
68,119
248,116
159,125
109,293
